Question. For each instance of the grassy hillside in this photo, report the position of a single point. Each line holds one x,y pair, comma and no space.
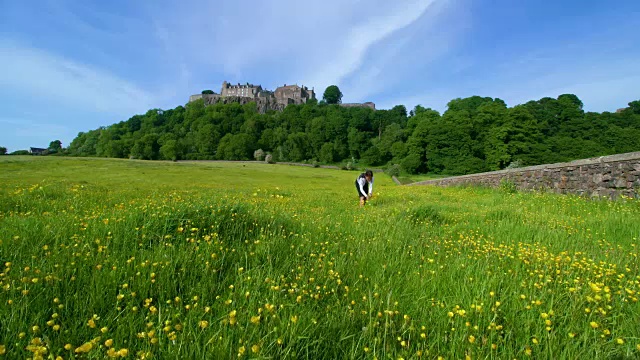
124,258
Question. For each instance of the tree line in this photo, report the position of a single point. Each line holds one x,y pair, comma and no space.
474,134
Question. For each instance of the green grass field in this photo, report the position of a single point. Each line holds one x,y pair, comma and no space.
158,260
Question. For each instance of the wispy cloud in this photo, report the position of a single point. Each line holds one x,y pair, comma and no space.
349,55
38,73
404,60
314,43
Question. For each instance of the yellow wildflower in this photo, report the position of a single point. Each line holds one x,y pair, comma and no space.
84,348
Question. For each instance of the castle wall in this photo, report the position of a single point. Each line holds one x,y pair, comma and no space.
278,100
607,176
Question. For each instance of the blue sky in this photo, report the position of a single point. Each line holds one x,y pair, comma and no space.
70,66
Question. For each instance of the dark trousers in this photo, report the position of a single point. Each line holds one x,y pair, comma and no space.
365,187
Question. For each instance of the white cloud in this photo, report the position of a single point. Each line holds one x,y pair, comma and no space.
37,73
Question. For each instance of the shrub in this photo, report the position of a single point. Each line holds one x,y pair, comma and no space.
508,186
259,155
268,159
393,170
411,163
514,165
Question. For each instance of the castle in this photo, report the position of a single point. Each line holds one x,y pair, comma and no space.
265,100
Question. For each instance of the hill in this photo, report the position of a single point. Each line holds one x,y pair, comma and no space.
474,134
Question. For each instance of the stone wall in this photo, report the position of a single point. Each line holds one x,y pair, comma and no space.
195,97
605,176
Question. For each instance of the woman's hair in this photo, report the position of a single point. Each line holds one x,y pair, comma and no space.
369,173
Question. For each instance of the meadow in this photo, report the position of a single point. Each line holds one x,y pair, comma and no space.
106,258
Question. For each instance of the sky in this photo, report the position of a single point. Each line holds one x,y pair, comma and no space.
72,66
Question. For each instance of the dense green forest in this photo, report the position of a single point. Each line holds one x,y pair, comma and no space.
474,134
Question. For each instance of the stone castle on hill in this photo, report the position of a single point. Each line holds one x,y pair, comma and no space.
265,100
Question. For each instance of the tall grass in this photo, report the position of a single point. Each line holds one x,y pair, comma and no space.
221,260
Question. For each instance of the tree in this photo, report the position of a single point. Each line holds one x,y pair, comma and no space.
373,156
411,163
358,142
3,150
297,147
207,139
210,92
326,153
572,99
236,147
169,150
55,146
146,148
332,95
20,152
522,135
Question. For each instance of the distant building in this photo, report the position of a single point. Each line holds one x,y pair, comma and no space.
36,151
247,90
294,94
271,100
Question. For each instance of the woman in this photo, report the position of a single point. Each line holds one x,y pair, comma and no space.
364,185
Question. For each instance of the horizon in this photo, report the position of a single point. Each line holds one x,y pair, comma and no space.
74,67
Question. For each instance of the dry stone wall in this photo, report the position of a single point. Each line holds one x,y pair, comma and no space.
605,176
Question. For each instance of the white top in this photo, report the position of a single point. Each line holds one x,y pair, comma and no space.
361,181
